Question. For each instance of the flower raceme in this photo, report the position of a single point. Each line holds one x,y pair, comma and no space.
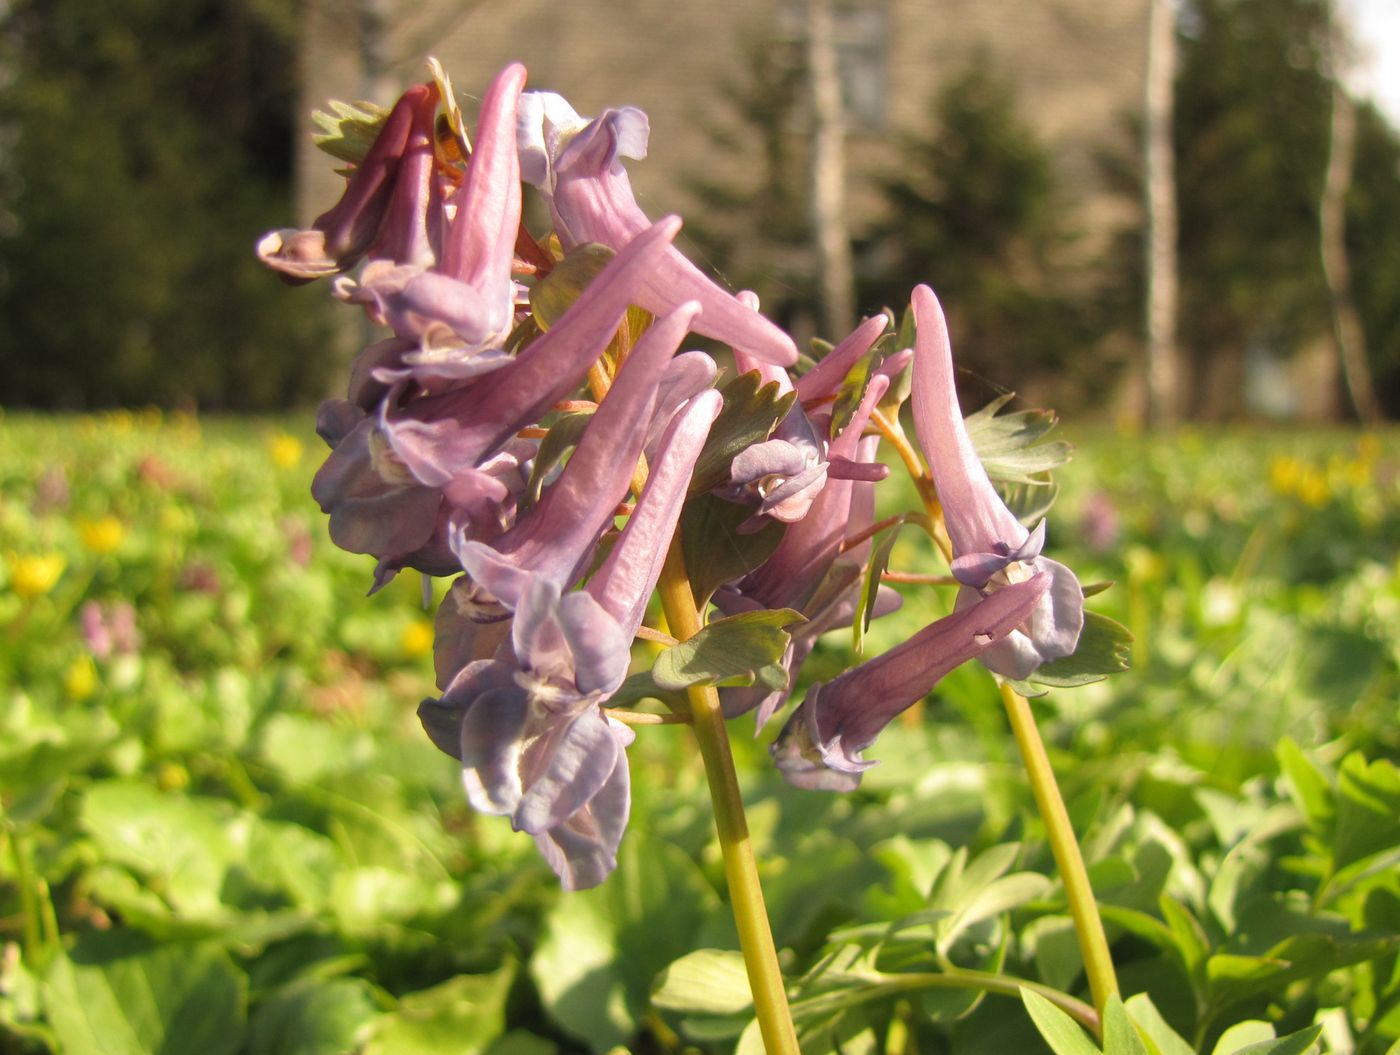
445,457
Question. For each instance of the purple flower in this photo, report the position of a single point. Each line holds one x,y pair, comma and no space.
557,537
576,164
991,548
821,744
805,572
460,311
527,724
384,201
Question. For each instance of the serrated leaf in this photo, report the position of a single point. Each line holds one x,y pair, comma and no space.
751,412
562,437
736,650
1368,809
1009,445
1061,1032
556,294
870,584
1104,649
715,551
1031,502
707,981
1120,1036
349,129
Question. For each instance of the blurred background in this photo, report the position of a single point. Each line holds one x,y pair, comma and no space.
222,830
1185,209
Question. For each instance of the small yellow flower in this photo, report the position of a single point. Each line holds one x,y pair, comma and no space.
80,681
417,638
285,450
1368,447
1285,475
34,575
103,535
1313,489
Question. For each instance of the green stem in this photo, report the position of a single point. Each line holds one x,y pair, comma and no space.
960,978
740,869
1088,925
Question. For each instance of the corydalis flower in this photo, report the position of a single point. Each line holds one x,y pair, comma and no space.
991,548
464,306
576,164
822,743
381,202
528,725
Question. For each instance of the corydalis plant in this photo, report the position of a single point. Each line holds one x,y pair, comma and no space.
531,427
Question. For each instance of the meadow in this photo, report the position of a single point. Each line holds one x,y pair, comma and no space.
224,830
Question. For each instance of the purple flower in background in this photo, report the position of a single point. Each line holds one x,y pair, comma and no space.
991,548
388,187
821,744
576,165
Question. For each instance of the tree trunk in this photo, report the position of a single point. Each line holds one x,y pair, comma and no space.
1350,336
1164,379
835,271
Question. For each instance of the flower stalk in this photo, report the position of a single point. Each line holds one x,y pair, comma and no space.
740,868
1088,925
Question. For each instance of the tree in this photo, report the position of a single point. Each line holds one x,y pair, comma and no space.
150,144
973,208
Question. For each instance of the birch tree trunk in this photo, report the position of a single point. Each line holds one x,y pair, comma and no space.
835,271
1164,379
1348,332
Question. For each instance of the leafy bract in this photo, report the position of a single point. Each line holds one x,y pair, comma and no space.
736,650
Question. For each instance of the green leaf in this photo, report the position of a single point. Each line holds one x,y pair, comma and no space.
883,545
1103,650
751,412
1242,1035
1009,444
1161,1038
183,844
551,298
1192,944
116,998
1307,785
851,391
603,948
461,1016
736,650
1368,809
1291,1044
313,1017
562,437
1061,1032
707,981
349,129
1120,1035
715,551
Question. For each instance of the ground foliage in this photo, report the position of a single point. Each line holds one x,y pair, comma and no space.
224,832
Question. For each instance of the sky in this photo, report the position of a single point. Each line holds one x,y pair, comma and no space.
1376,27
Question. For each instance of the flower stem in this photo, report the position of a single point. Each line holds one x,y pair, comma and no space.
1088,925
740,869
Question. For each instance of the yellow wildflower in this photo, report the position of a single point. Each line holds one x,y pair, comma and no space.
1285,474
103,535
34,575
417,638
285,450
81,679
1313,489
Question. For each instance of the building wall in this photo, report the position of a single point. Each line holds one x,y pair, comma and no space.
1077,63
